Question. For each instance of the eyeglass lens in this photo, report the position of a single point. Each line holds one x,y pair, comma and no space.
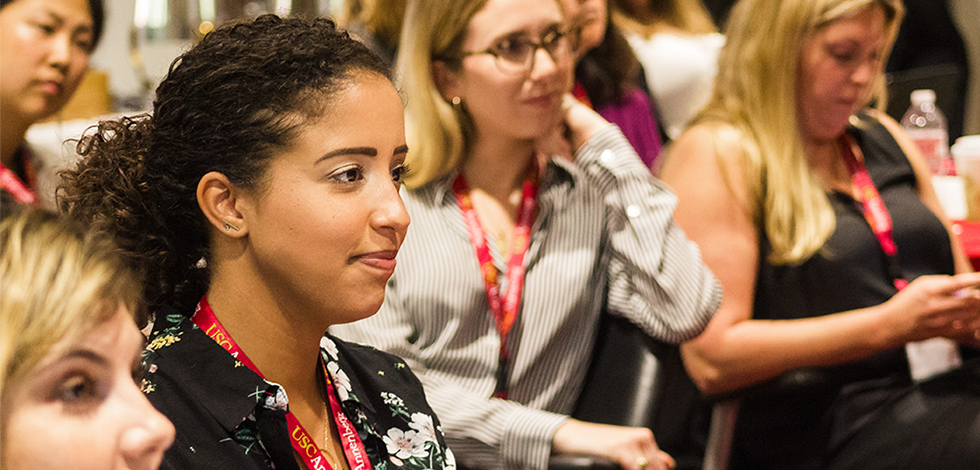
517,55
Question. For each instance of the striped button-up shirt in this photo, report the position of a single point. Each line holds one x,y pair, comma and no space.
604,239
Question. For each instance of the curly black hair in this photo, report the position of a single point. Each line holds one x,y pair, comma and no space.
227,105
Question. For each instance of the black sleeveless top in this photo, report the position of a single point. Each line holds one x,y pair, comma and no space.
784,423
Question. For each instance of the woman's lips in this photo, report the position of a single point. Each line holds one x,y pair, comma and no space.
547,100
381,260
50,87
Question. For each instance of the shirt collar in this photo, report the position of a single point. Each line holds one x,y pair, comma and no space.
222,385
557,173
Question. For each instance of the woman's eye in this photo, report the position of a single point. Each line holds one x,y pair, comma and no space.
77,389
398,174
349,175
45,28
84,44
512,49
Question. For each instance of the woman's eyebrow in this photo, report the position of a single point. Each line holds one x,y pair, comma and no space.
368,151
84,354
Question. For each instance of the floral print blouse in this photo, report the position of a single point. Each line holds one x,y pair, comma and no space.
228,417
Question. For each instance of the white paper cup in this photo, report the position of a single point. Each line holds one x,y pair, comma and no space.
966,155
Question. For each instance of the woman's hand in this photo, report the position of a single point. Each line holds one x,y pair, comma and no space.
578,125
631,448
938,306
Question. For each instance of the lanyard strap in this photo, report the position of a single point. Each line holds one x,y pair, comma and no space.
302,442
504,310
578,91
873,207
12,184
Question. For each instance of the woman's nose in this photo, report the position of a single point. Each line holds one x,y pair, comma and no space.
149,434
865,72
60,51
391,214
543,65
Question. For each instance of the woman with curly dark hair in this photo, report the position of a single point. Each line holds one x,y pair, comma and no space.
260,205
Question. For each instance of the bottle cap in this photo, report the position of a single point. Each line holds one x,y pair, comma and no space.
923,96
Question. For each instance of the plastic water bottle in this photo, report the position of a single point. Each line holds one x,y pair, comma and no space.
926,125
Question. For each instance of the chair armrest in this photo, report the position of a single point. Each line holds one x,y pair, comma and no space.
581,462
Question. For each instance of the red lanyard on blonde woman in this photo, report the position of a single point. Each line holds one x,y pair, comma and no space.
304,444
504,310
873,207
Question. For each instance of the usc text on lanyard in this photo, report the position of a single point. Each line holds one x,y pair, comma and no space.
504,310
873,207
304,444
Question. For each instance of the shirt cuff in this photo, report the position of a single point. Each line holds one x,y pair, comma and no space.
527,440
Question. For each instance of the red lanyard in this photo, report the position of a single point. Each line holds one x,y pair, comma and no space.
578,91
504,310
301,440
10,182
873,207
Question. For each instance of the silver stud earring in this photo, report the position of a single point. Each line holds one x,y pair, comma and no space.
229,226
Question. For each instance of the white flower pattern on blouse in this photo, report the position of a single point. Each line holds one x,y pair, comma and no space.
340,380
403,445
422,424
417,445
330,347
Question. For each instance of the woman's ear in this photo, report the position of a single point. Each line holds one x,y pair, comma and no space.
219,199
446,80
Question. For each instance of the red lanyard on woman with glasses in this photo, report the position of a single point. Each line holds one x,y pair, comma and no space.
504,310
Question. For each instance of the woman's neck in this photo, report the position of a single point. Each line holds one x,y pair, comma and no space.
498,167
825,161
277,335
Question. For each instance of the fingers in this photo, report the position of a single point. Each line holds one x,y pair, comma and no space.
960,284
582,121
650,456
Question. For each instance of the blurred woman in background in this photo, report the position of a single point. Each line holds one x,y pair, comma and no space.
610,80
678,46
45,46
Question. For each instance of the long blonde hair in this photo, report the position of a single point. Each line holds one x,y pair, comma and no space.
56,283
382,18
755,96
689,16
436,132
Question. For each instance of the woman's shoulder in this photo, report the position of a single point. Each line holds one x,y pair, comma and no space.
709,141
708,162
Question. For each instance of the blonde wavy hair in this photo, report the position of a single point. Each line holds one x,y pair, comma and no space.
689,16
437,133
57,282
753,104
382,18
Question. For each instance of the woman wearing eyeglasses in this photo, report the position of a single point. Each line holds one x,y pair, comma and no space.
514,253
